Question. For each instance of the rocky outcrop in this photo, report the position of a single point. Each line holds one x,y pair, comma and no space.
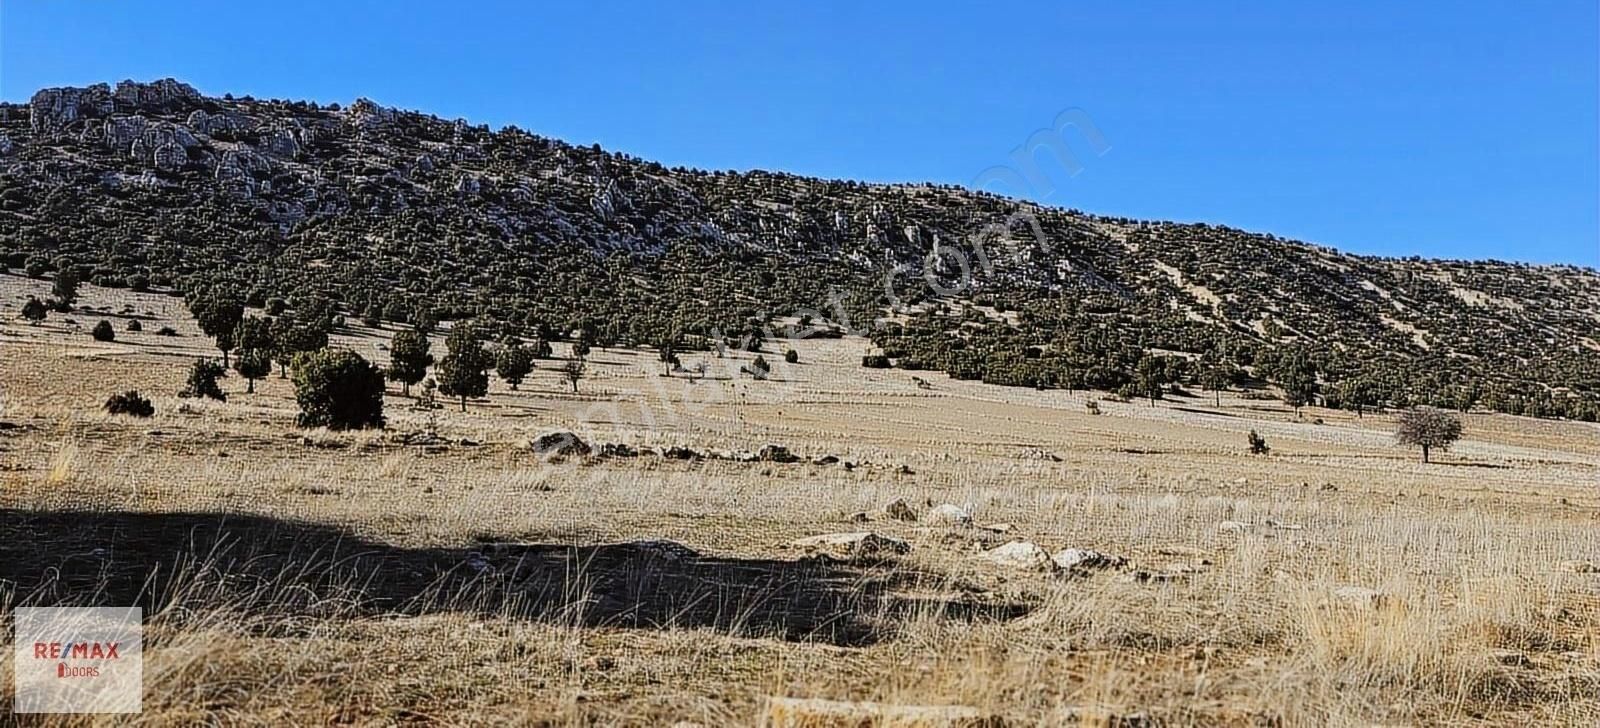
163,95
52,109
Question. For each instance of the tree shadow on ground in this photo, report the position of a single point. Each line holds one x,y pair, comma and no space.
282,568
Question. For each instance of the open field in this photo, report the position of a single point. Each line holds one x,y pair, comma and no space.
314,578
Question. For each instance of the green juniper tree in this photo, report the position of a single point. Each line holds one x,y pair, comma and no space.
409,358
463,372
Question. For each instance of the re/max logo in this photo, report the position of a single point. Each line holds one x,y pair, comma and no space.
76,650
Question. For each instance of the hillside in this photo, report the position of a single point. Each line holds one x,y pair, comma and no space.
400,216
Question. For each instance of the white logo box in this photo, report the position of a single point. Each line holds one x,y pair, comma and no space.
78,659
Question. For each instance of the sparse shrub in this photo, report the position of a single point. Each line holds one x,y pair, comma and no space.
875,361
758,368
1092,406
103,331
166,331
202,380
338,389
1428,428
134,325
1258,444
791,357
130,403
34,310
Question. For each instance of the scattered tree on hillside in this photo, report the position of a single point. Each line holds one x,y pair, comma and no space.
65,288
514,362
1215,379
791,357
338,389
463,372
292,336
218,311
409,358
572,371
1428,428
103,331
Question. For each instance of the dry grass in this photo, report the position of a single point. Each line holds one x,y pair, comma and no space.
317,577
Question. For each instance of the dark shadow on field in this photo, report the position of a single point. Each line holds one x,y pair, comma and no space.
278,569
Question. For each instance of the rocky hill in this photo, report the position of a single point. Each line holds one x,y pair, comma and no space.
404,216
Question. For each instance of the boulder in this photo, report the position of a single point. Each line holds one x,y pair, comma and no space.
558,444
949,513
777,454
618,450
1087,560
852,546
899,510
1020,555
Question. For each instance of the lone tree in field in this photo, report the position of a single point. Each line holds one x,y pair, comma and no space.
463,372
65,288
409,359
1428,428
34,310
203,381
572,371
514,362
103,331
338,389
218,312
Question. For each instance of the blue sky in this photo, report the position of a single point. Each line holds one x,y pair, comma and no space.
1463,129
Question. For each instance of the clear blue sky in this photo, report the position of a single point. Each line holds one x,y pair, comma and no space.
1459,129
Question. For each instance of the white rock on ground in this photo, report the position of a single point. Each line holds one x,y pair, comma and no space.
854,545
1361,597
1020,555
949,513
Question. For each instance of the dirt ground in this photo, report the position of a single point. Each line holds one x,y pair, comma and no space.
373,578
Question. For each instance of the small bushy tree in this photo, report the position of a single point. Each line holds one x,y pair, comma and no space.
1428,428
218,311
1258,444
338,389
130,403
34,310
409,358
758,368
572,371
514,362
202,380
65,288
791,357
463,372
103,331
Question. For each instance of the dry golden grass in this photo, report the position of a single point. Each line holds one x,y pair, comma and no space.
356,579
